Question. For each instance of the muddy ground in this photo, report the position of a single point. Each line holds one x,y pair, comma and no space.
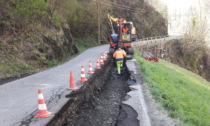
104,108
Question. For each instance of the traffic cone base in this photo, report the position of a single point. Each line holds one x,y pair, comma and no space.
72,88
43,114
83,80
90,72
101,62
98,65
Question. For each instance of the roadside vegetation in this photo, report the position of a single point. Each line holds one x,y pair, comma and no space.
82,46
17,69
38,34
184,94
196,59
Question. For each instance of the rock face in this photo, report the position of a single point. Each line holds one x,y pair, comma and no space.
60,45
25,55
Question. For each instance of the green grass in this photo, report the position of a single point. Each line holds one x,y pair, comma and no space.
185,94
82,45
14,68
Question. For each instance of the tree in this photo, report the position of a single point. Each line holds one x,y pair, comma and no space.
19,14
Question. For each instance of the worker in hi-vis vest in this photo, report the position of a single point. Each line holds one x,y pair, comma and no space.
125,29
119,55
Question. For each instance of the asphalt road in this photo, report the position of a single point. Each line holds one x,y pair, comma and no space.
19,99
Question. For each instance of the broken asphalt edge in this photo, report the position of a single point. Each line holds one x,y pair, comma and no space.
137,100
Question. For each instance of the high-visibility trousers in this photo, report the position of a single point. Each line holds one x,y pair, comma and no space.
119,64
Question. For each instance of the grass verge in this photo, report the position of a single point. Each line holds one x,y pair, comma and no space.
82,45
185,94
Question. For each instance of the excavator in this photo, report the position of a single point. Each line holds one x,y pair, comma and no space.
121,39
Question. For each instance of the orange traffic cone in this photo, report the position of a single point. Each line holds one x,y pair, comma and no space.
105,51
101,60
104,55
72,82
98,60
83,78
42,109
98,65
90,71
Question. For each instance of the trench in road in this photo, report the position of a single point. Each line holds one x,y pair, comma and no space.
104,109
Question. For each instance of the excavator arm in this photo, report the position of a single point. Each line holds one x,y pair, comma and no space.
117,38
119,24
112,19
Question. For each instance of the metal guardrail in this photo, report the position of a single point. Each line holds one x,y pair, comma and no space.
152,40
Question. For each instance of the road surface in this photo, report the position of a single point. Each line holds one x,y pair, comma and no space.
19,99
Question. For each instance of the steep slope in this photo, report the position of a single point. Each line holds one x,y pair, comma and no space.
20,55
191,57
184,94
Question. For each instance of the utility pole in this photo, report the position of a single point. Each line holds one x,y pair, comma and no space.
99,22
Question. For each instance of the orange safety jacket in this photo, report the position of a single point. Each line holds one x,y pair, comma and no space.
119,54
125,30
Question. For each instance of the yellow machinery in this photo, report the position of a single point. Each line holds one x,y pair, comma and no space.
120,38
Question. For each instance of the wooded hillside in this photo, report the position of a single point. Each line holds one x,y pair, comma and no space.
35,34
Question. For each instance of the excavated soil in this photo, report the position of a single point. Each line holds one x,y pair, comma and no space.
104,108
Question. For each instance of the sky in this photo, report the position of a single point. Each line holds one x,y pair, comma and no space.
178,11
177,15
